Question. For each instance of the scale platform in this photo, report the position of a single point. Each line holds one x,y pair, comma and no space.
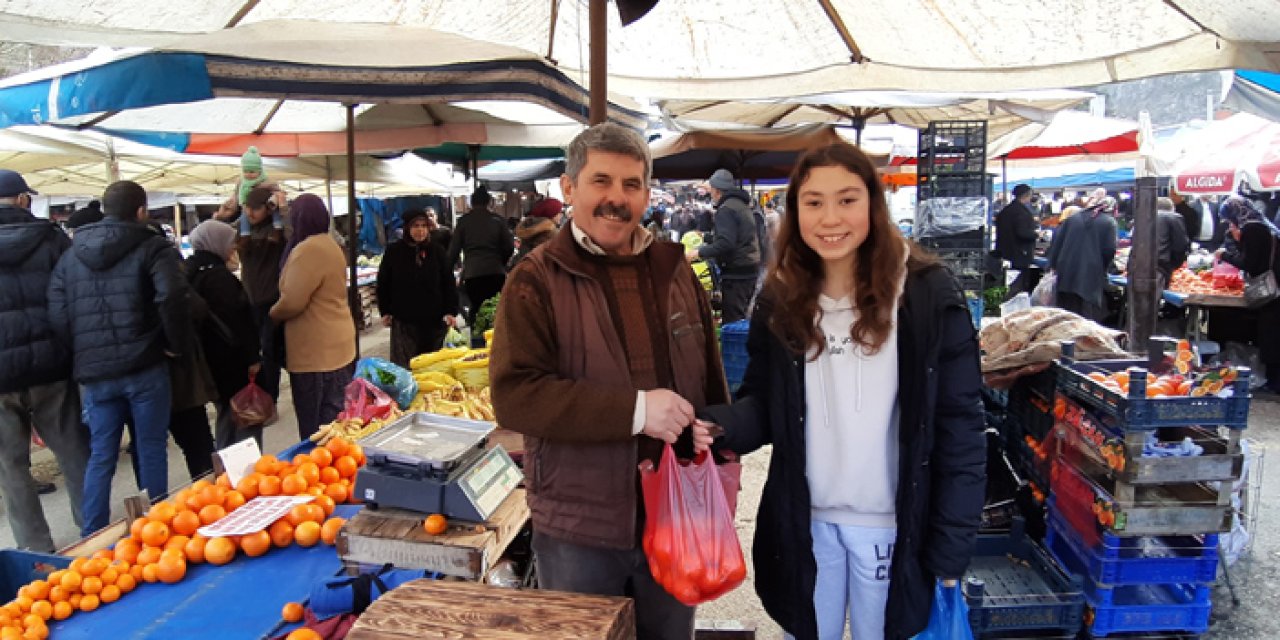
436,464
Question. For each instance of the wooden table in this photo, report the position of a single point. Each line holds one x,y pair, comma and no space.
424,609
1197,303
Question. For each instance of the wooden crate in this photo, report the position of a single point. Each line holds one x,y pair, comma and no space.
444,609
379,536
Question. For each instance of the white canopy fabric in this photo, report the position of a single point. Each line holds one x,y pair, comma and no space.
708,49
1068,136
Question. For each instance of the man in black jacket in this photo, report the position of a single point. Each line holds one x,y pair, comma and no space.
735,247
36,391
485,243
1016,232
1200,220
119,299
1172,241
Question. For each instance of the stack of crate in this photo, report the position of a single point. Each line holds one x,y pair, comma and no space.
1141,530
953,201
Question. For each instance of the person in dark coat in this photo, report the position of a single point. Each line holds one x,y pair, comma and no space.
1173,244
532,233
735,246
192,388
90,214
36,390
864,376
1252,246
1016,233
229,334
485,243
417,295
260,271
1080,254
440,234
119,299
1200,220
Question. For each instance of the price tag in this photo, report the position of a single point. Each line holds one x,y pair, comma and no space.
255,515
239,458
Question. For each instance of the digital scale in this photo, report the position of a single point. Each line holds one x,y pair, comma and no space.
436,464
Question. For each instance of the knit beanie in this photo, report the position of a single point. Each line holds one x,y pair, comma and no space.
250,161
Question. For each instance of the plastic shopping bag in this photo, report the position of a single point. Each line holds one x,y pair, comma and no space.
395,380
1046,293
252,406
689,538
949,618
365,401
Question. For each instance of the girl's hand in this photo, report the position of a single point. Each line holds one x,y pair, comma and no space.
704,434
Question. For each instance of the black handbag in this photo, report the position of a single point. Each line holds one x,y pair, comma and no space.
1261,289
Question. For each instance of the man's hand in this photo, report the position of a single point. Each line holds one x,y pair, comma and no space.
691,255
705,433
450,321
386,321
666,414
254,369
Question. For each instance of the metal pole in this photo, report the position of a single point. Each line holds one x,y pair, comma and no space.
599,31
353,291
1144,287
177,225
1004,176
328,182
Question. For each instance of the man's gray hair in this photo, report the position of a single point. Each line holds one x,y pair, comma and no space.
610,137
1164,204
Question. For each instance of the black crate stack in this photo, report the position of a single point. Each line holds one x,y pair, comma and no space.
953,201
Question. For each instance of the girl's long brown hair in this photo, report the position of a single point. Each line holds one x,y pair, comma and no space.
795,277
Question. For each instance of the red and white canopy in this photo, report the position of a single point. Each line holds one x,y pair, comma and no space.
1242,148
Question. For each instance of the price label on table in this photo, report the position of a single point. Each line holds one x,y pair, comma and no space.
254,516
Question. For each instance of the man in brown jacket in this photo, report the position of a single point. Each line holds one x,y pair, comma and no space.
606,347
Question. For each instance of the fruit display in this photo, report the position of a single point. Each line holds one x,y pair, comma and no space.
443,394
1183,379
164,543
353,428
1216,282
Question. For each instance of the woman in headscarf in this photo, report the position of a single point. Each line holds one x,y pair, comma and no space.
319,331
532,232
1251,245
1082,249
417,294
230,335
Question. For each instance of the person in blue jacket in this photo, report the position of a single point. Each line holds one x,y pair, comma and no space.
864,377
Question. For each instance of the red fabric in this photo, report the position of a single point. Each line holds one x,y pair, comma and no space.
335,628
1119,144
547,208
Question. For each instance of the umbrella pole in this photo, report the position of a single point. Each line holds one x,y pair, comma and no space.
353,290
599,34
328,181
1004,175
177,225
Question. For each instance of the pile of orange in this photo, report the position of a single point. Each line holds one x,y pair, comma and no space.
162,544
1185,379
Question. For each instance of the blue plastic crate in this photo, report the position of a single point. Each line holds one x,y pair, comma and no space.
1012,585
976,306
1138,412
18,567
733,350
1119,561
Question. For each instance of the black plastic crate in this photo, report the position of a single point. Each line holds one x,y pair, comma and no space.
964,183
969,240
954,134
1013,585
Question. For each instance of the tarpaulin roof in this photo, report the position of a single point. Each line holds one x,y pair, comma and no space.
1243,147
716,49
749,154
1068,134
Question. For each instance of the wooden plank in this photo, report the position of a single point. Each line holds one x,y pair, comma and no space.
466,550
463,610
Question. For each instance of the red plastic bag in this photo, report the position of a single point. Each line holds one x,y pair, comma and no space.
366,401
252,406
689,538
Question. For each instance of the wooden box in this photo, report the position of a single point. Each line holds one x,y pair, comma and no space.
446,609
466,550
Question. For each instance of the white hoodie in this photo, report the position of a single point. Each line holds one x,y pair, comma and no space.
851,424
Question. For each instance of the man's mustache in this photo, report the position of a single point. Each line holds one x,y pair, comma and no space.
621,211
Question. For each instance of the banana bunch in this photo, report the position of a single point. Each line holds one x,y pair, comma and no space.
352,429
432,381
456,403
429,361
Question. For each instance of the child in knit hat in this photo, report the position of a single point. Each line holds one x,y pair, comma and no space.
252,175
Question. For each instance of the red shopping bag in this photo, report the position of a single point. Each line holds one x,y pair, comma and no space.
364,400
252,406
689,538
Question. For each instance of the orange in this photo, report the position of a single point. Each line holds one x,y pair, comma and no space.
195,501
223,481
177,542
304,634
281,532
62,610
336,492
213,494
298,515
212,513
329,530
162,512
186,523
92,585
326,504
199,485
136,573
255,544
269,486
104,554
149,573
94,567
110,575
322,457
248,487
155,534
110,593
292,612
43,609
219,551
329,475
176,554
38,589
172,569
346,466
31,621
266,464
179,499
310,472
234,500
135,528
56,595
10,633
294,484
194,549
314,490
435,524
149,555
88,603
77,564
74,601
127,550
53,579
307,534
126,583
338,447
299,459
71,581
357,452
